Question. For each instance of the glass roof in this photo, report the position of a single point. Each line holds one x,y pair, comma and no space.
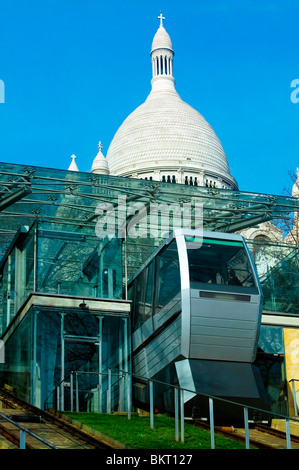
70,199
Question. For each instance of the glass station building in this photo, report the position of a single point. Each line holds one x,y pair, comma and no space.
64,305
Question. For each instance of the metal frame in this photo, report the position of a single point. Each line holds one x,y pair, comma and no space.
51,189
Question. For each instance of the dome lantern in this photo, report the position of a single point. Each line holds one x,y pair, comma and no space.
162,58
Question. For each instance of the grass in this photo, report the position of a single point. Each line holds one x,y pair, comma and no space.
137,434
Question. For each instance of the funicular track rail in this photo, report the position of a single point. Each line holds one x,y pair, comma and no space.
232,435
275,432
65,429
262,436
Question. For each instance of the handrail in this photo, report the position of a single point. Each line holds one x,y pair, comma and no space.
23,432
214,397
178,396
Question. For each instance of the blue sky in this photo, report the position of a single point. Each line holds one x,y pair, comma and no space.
74,70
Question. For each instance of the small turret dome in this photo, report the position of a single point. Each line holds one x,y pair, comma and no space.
100,165
73,165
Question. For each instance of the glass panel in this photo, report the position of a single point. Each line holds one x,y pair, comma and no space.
47,367
79,264
8,291
219,262
149,282
16,371
138,305
17,277
143,301
168,280
280,285
29,268
82,356
271,340
270,361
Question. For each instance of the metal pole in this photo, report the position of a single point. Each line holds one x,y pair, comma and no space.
8,294
176,413
62,361
246,427
288,436
151,387
182,417
35,259
294,398
126,352
72,390
100,363
122,393
109,392
34,360
22,439
126,347
211,407
129,394
57,397
77,393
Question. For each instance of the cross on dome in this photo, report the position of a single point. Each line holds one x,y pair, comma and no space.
161,18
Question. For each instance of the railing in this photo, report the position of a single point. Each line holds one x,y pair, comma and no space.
71,382
126,383
24,431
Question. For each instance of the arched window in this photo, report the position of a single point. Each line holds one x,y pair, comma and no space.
261,238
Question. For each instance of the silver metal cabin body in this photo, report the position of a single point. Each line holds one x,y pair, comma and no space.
197,305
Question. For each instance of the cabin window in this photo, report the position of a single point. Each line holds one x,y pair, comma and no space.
219,262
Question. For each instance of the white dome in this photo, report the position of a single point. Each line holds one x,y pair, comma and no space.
165,132
167,136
